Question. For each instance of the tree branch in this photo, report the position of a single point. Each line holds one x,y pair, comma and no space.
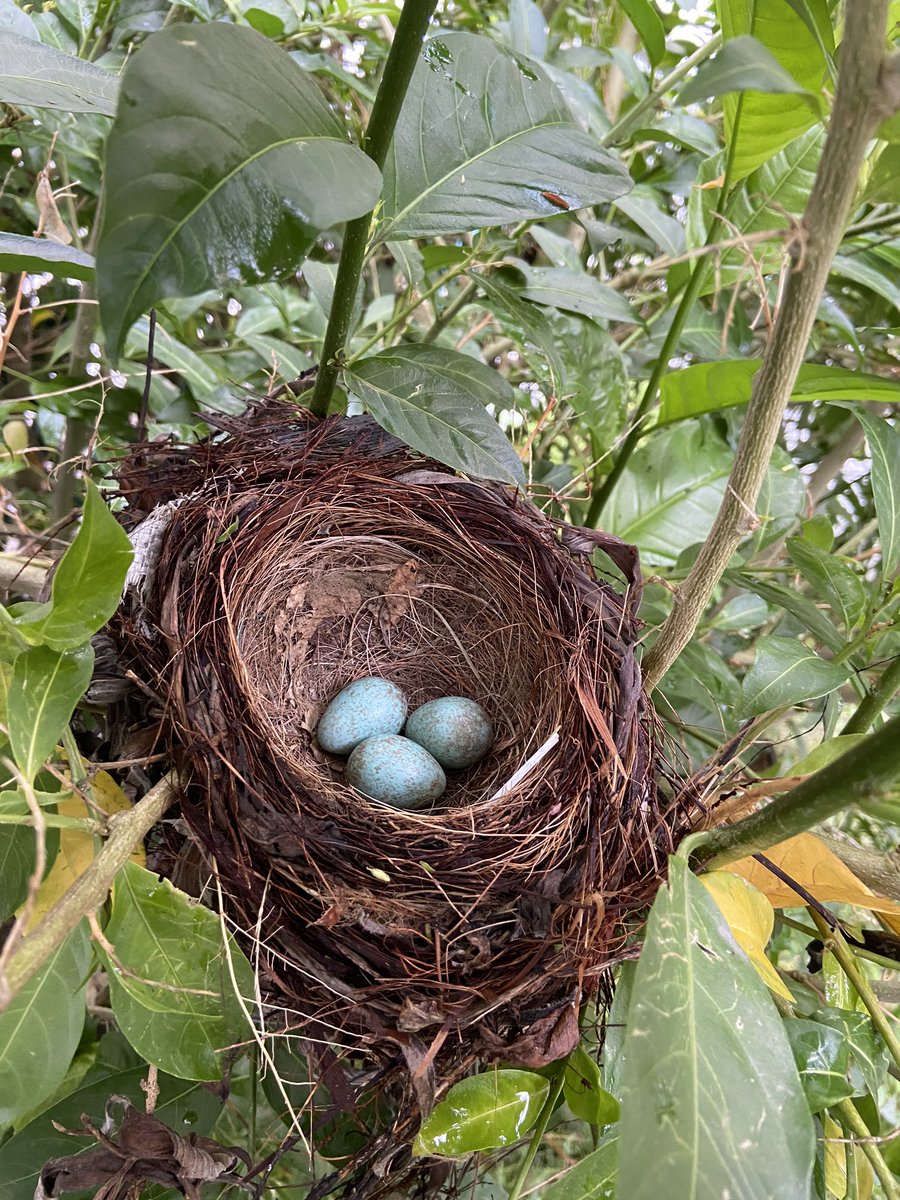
89,890
858,107
862,773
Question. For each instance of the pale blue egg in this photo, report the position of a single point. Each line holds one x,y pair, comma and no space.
456,731
396,771
365,708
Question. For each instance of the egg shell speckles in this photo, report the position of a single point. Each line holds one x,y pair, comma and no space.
396,771
457,731
367,707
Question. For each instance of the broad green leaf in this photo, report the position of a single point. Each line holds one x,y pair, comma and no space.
822,1056
185,1106
865,271
646,20
18,253
709,387
670,492
831,580
46,686
641,207
712,1104
527,321
12,18
769,122
868,1053
593,1178
584,1091
277,354
482,135
527,28
40,77
884,447
594,380
18,849
743,64
41,1026
185,1025
200,195
88,583
196,370
786,672
434,400
883,186
577,293
792,601
483,1112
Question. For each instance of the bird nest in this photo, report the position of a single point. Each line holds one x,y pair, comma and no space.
281,560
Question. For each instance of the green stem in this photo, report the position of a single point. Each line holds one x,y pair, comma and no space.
537,1133
634,115
874,702
880,960
443,319
401,62
860,1129
688,298
863,773
834,941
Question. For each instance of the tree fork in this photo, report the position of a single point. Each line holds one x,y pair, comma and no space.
867,91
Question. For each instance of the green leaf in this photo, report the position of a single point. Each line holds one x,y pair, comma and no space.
577,293
88,583
40,77
884,447
710,387
593,1178
46,686
482,135
862,269
767,123
743,64
883,186
41,1026
868,1053
185,1106
584,1091
786,672
594,380
483,1112
651,31
533,327
18,849
18,253
831,580
711,1104
641,207
200,195
826,753
14,19
822,1056
791,601
186,1019
434,400
527,28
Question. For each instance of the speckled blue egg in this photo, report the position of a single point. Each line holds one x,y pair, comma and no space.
396,771
456,731
365,708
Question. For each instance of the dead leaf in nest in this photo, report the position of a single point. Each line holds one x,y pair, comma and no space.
397,594
809,862
147,1151
544,1041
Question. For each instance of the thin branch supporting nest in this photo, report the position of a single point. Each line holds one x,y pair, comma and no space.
302,555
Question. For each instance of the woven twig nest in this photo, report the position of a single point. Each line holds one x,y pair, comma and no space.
285,558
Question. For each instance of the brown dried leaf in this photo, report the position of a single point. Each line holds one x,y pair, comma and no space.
51,223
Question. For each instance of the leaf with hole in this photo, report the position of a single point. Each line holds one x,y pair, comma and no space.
787,672
482,136
762,124
18,253
88,583
39,76
434,400
224,163
707,1068
41,1026
46,685
484,1112
171,985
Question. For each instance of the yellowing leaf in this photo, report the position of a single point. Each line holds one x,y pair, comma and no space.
808,860
836,1165
751,920
78,849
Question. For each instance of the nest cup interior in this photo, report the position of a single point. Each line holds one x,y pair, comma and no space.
349,591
